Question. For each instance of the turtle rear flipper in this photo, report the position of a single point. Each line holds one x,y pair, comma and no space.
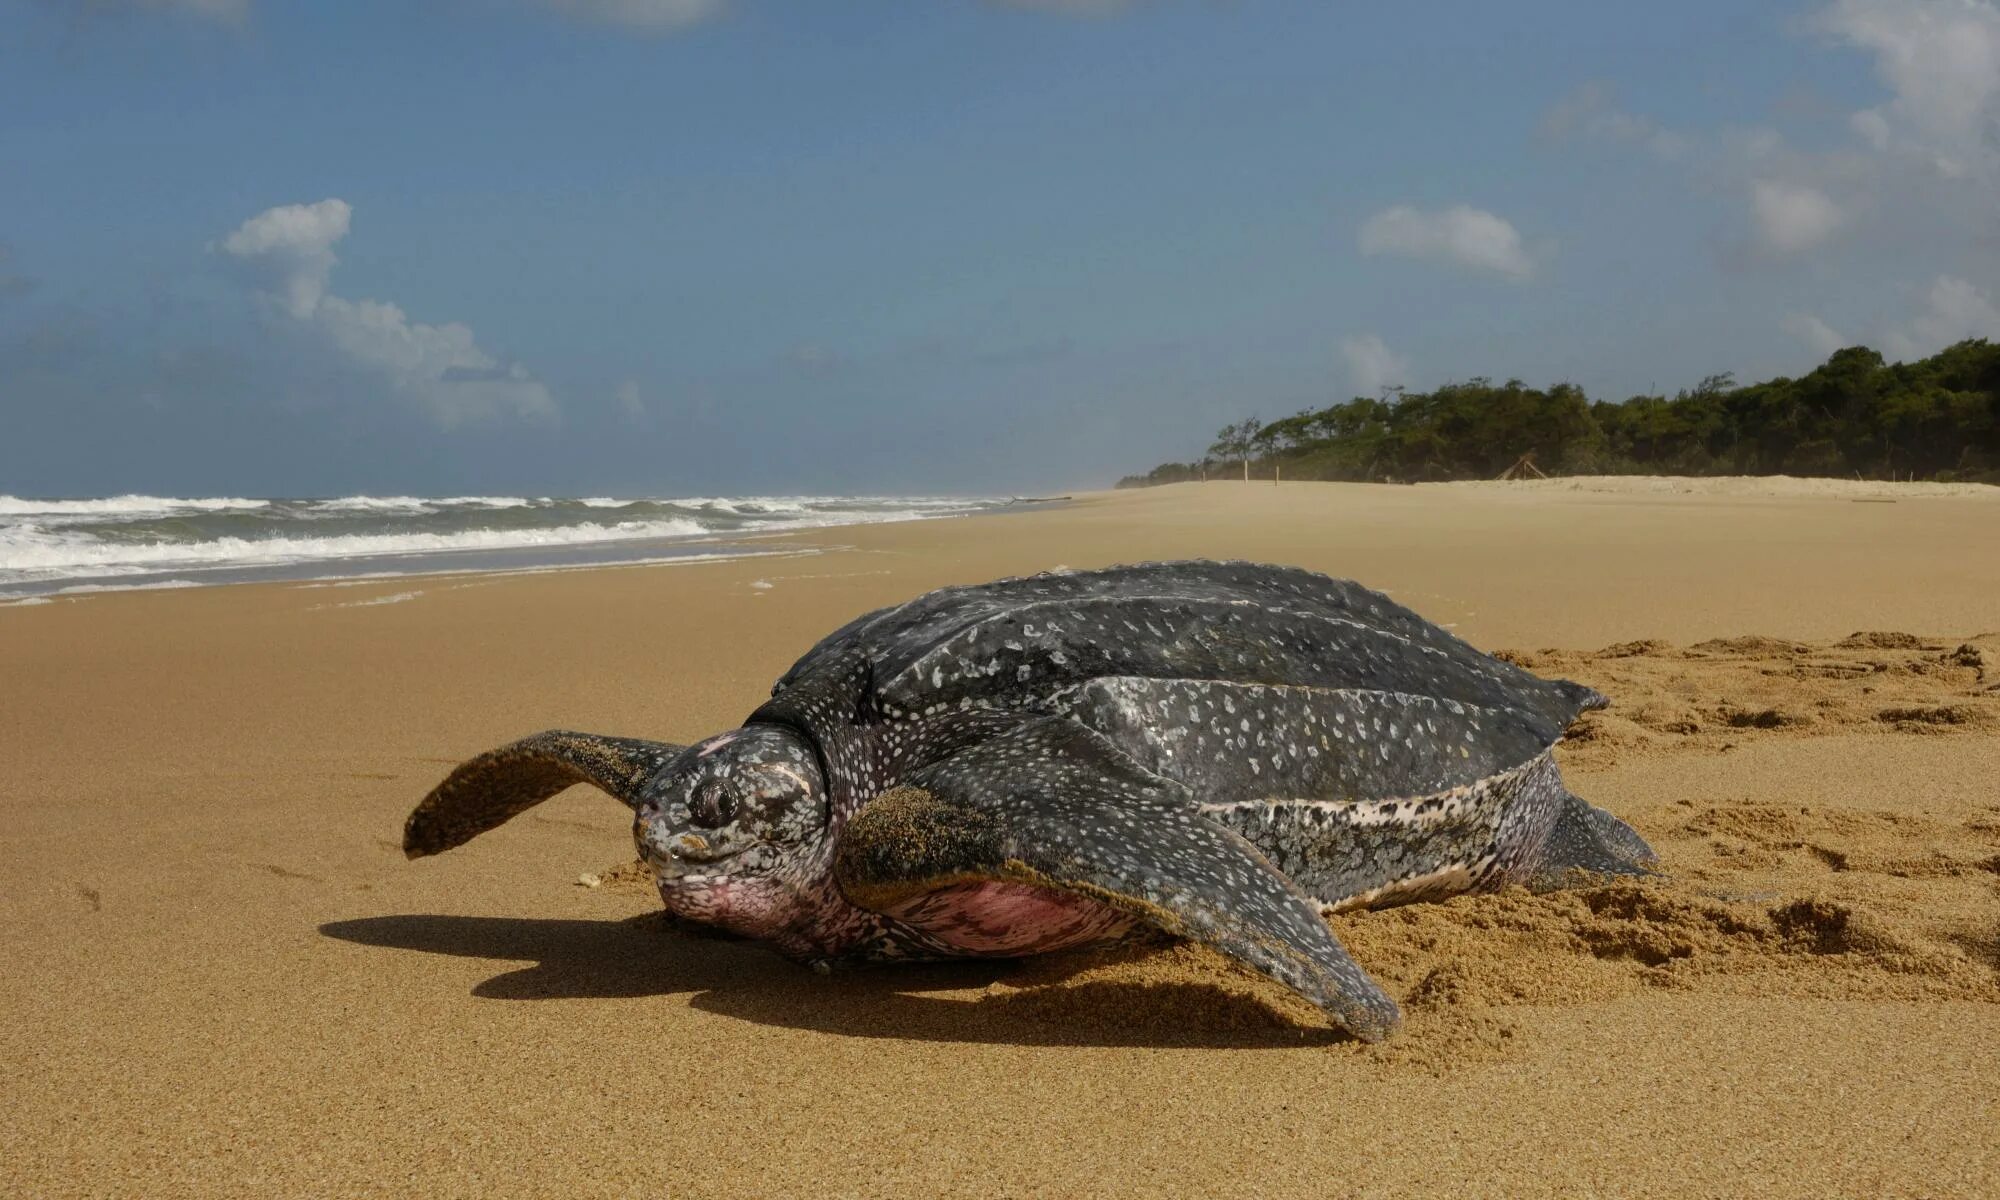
1590,840
485,792
1053,805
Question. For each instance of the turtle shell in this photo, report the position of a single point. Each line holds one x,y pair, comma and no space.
1031,643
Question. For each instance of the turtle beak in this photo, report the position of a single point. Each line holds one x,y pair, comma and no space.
659,844
673,852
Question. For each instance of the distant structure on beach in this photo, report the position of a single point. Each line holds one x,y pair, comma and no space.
1855,416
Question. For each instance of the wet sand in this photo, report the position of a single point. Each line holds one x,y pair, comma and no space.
225,979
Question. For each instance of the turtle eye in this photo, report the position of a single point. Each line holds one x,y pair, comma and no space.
713,806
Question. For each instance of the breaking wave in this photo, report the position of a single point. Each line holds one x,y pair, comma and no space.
52,545
11,506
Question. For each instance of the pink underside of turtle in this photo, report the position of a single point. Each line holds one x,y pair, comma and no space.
1005,919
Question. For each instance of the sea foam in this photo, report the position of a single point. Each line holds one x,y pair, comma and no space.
121,505
47,545
71,554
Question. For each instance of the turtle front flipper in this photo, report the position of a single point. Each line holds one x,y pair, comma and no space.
1052,805
485,792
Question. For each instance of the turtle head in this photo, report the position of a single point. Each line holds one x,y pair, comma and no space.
729,826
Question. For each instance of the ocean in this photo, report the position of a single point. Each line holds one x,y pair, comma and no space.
54,547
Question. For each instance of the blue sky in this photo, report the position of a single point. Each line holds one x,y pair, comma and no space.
698,246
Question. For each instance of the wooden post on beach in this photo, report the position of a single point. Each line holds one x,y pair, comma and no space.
1524,468
1277,469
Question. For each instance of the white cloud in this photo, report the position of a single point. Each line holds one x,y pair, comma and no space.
1371,365
1589,112
630,402
1462,235
1791,193
1940,60
287,252
1823,338
1792,217
1913,169
1953,311
645,16
1871,127
440,366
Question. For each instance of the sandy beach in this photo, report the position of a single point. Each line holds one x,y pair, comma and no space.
225,979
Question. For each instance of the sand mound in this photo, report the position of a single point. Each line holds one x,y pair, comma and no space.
1715,694
633,878
1465,969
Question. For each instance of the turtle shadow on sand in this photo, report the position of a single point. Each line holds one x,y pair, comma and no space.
644,956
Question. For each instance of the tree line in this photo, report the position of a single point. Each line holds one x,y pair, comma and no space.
1936,418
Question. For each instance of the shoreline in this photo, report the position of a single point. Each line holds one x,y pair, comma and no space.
134,543
362,579
1226,497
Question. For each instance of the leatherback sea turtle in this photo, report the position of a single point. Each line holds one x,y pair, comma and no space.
1224,750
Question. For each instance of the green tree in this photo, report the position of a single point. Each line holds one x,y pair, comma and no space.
1237,442
1937,417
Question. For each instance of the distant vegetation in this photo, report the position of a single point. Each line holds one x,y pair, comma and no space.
1938,419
